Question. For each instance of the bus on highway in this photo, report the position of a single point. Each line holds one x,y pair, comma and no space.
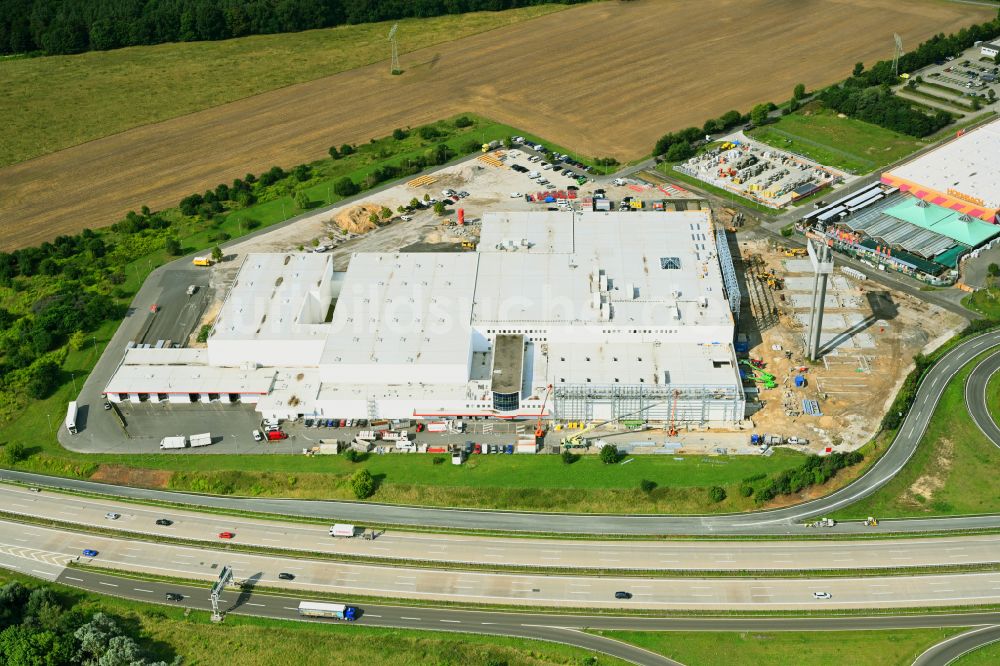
336,611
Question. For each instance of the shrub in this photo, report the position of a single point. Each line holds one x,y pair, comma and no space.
399,134
717,493
609,454
173,247
647,486
351,455
463,121
204,332
14,453
568,457
746,490
346,187
363,484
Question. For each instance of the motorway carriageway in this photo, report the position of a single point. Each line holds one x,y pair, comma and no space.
37,550
775,522
138,520
558,628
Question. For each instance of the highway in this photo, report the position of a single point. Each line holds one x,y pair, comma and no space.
137,521
42,547
975,397
558,628
776,522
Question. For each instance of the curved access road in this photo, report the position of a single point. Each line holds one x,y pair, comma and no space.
975,397
948,651
776,522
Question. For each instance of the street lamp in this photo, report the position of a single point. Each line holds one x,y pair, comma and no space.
73,375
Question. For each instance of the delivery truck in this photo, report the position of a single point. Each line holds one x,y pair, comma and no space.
177,442
342,530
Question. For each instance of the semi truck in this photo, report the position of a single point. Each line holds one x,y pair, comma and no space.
71,417
334,611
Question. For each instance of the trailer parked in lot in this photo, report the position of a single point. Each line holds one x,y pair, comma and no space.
71,418
204,439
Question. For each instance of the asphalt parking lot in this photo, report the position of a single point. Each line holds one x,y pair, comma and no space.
177,313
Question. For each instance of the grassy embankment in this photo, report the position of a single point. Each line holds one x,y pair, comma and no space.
843,143
988,655
831,648
167,631
110,91
952,471
985,301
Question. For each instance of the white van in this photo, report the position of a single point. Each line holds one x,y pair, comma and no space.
534,174
406,446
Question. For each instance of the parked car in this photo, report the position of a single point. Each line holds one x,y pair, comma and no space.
107,405
515,195
621,594
420,427
257,436
477,448
111,515
286,576
173,596
166,522
89,552
343,423
226,535
307,423
406,218
509,448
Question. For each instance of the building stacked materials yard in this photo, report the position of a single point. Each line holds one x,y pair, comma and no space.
624,315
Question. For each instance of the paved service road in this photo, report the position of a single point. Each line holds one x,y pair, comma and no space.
567,591
139,520
975,397
950,650
779,521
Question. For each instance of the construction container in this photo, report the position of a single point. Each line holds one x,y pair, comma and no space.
461,217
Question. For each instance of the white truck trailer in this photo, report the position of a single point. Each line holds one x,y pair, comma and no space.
204,439
342,530
71,418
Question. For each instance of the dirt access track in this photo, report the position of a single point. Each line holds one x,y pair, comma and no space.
606,78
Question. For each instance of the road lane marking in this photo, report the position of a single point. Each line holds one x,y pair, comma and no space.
253,604
139,589
415,619
101,582
79,580
451,621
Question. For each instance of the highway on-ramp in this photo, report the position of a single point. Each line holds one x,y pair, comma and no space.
975,397
776,522
948,651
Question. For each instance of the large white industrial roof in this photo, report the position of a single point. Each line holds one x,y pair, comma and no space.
642,363
656,268
189,379
968,164
404,308
275,297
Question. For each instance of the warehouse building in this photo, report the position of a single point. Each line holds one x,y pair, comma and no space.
624,315
959,175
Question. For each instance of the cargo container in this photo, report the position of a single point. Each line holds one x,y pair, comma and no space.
437,426
370,435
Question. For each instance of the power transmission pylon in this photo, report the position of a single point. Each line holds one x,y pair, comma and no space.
897,52
394,65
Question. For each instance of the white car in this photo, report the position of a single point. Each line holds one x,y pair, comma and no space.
515,195
319,248
257,436
822,595
405,218
447,193
111,515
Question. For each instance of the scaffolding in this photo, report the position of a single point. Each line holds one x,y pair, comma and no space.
729,282
688,404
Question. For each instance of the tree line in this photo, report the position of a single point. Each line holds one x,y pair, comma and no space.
73,26
41,626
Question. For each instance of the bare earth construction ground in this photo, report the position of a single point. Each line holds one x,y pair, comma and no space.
604,79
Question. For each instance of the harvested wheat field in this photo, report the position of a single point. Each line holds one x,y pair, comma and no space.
604,79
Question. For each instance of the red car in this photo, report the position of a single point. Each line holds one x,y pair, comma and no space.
273,435
477,448
420,427
343,423
226,535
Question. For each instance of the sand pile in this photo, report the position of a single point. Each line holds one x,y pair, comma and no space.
357,219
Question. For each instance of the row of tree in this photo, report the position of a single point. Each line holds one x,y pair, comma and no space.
74,26
39,626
